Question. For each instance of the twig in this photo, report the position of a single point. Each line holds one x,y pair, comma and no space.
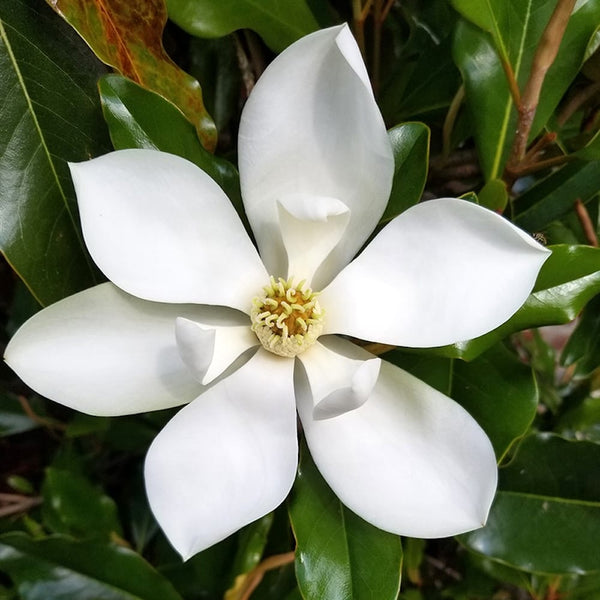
17,504
359,24
49,423
586,223
534,167
248,77
539,146
386,9
577,101
376,59
542,60
255,576
257,60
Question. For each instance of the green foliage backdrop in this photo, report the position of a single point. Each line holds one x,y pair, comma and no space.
496,101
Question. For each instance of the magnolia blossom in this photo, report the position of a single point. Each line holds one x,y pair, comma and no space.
194,314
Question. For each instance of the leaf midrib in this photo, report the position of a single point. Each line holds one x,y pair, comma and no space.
38,128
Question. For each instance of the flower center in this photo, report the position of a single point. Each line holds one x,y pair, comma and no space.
287,319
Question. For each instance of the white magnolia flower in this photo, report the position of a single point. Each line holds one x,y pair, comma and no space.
194,315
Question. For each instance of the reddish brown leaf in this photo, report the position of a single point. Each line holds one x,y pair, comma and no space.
128,37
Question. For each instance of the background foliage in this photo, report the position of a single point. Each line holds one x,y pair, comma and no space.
455,80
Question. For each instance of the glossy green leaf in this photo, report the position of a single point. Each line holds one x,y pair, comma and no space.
581,422
583,346
435,371
49,114
72,505
509,30
59,567
138,118
591,151
128,37
420,77
339,556
546,518
215,64
555,196
567,281
278,23
493,195
410,144
251,545
549,465
499,392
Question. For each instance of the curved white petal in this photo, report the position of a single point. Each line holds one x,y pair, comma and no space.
161,229
227,458
208,350
443,271
410,460
340,375
104,352
311,126
310,228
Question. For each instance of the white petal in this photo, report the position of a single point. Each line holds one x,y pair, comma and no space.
310,228
227,458
208,350
410,460
104,352
340,375
161,229
311,127
443,271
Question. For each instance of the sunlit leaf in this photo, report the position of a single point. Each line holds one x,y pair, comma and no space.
128,37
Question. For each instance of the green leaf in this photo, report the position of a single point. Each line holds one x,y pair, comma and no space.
72,505
252,541
493,195
339,556
567,281
500,393
549,465
433,370
128,37
278,23
583,346
555,196
546,518
59,567
422,77
215,64
581,422
49,115
410,144
138,118
509,31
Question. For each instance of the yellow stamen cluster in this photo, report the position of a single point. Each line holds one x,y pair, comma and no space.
287,319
